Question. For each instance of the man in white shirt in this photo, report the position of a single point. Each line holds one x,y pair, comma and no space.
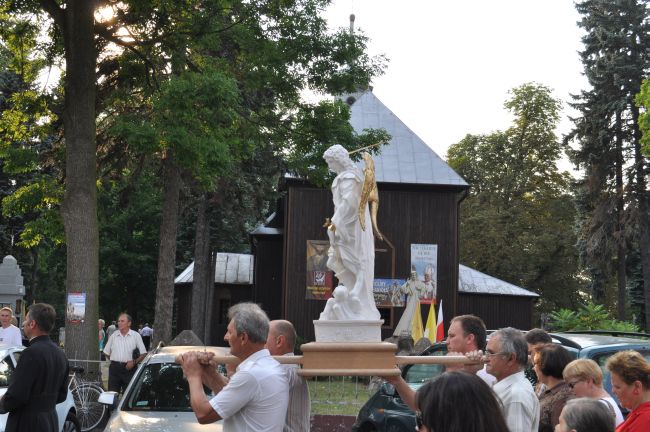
9,333
281,341
466,334
506,357
255,399
121,350
146,334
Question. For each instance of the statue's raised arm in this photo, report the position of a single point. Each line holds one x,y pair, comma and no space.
352,249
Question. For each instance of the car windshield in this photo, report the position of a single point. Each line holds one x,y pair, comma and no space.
418,374
6,369
160,387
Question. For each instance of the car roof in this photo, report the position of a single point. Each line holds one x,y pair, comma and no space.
589,339
168,354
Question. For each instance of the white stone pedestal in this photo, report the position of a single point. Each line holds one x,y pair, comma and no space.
348,330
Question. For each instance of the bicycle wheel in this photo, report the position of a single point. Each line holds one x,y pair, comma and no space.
89,411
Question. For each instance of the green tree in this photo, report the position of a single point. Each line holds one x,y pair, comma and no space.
612,197
196,87
516,224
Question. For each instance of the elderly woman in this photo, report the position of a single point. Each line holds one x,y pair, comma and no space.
631,385
585,378
585,415
550,362
458,401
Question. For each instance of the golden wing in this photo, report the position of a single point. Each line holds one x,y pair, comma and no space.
369,194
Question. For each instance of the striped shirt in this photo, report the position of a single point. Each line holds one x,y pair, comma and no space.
299,411
120,347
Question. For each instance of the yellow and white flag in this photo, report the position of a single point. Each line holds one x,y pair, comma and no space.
417,332
430,330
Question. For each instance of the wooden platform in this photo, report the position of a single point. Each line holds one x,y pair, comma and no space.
338,358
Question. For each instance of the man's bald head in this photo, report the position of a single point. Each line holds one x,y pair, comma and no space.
282,337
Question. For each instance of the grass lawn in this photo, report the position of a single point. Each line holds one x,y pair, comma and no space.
338,395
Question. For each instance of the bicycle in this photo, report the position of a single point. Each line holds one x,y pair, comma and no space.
90,412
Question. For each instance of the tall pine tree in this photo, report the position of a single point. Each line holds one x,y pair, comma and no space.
612,197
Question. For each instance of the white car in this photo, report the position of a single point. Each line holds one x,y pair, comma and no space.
66,410
157,398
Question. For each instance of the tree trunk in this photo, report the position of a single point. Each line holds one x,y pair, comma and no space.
620,214
644,212
167,252
79,209
201,271
209,302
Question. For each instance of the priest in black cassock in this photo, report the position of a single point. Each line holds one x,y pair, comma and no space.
40,379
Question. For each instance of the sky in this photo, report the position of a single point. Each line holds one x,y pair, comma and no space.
452,62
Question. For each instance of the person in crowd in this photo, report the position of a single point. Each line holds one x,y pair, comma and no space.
466,335
125,350
440,399
536,339
9,333
584,415
630,373
40,380
257,396
102,337
280,342
506,357
111,329
550,362
585,378
146,334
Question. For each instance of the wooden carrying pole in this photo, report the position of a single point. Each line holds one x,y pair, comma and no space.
333,359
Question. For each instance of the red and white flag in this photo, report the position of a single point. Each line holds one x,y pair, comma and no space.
440,327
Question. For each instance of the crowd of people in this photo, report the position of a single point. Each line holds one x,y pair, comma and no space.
566,395
559,394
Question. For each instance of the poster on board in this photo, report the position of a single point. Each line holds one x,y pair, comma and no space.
320,279
76,310
424,261
388,292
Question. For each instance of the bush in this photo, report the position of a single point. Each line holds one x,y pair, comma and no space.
589,317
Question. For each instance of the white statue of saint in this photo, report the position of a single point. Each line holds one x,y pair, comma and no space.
352,249
414,289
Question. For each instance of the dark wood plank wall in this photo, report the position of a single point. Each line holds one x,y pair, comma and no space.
267,286
498,311
405,217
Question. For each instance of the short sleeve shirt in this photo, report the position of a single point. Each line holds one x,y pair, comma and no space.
256,398
11,336
120,347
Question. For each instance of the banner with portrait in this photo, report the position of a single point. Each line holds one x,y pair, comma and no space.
424,262
388,292
76,308
320,279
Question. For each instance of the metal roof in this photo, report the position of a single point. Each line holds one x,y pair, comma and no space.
406,159
231,268
473,281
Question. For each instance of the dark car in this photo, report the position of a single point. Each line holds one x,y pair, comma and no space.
385,410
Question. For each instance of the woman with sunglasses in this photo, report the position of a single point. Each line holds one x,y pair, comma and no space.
549,363
631,385
458,402
585,378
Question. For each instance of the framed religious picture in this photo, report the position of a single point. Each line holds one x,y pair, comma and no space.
424,262
320,279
